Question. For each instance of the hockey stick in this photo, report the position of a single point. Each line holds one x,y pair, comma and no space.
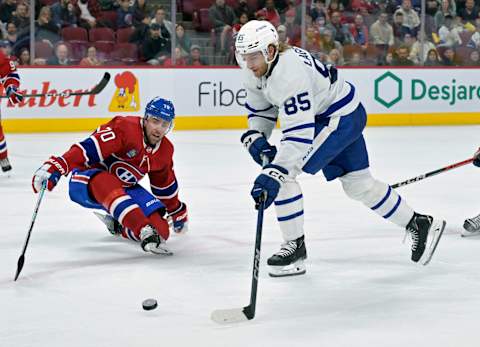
95,90
21,259
432,173
235,315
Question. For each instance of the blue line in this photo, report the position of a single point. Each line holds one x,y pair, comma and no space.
287,201
392,211
383,200
292,216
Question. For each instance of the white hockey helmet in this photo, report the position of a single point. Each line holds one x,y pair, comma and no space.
256,36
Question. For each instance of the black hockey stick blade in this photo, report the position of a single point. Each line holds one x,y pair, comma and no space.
21,261
95,90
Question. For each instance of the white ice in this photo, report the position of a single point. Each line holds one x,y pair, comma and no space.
82,287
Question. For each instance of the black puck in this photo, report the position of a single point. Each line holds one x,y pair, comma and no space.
149,304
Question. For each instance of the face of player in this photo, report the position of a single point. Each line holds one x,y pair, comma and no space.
255,62
155,129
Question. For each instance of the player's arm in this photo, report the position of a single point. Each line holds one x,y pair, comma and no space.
107,139
164,186
262,117
11,84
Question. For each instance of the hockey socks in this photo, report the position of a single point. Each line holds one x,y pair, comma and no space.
3,145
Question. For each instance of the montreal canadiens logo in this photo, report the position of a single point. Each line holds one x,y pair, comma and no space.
126,173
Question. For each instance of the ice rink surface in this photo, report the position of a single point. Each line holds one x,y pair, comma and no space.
82,287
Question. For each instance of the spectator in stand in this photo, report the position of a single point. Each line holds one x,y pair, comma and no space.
410,17
321,24
381,34
408,40
45,30
282,35
91,59
328,42
318,10
401,58
340,31
417,47
470,12
161,18
11,34
22,18
24,56
334,6
389,58
280,5
60,57
270,13
183,41
450,57
312,41
293,30
447,8
179,59
474,59
7,10
141,12
475,38
223,17
358,5
89,13
242,19
108,5
243,7
141,33
156,48
124,14
195,58
399,30
60,13
335,57
432,58
359,32
449,34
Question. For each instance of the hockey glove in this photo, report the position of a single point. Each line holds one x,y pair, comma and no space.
13,94
258,146
180,218
476,158
50,171
269,180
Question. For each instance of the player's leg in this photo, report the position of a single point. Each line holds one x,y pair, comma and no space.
288,260
471,226
101,190
4,162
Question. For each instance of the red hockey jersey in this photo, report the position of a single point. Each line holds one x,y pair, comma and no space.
8,71
119,148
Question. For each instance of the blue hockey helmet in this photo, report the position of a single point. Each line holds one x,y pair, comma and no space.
160,108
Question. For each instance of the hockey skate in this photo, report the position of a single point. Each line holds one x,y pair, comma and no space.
152,242
471,227
114,227
425,232
5,165
289,260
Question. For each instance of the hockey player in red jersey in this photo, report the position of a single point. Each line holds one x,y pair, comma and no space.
107,166
10,80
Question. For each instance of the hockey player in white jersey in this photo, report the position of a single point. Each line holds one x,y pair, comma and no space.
322,120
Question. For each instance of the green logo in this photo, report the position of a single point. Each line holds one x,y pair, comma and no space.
388,89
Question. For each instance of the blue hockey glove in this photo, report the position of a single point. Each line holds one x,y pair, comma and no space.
476,158
13,94
269,180
258,146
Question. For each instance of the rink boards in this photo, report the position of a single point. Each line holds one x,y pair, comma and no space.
213,98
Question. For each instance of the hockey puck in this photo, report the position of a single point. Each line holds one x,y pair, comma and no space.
149,304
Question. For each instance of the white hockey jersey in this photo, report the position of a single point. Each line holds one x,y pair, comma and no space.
297,90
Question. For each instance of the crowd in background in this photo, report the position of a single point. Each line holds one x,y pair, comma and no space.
343,32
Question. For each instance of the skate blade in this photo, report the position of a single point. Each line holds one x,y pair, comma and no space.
160,251
434,234
294,269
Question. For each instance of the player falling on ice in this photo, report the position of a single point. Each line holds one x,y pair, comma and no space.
322,120
10,80
471,226
107,166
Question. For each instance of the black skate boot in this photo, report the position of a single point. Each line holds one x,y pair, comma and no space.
289,260
5,165
425,232
471,226
114,227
